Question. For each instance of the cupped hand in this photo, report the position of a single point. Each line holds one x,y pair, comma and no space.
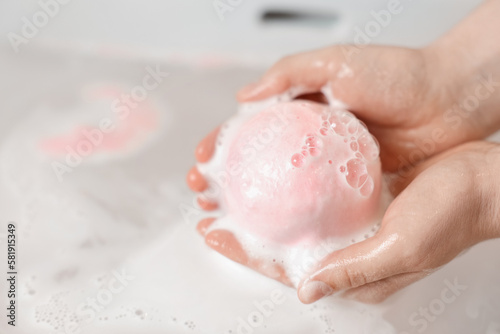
448,204
223,241
405,96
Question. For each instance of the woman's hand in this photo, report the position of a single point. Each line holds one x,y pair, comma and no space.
410,99
418,104
448,204
224,241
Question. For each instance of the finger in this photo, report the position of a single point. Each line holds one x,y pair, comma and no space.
206,204
370,83
205,149
266,87
204,225
196,181
225,243
377,292
309,70
371,260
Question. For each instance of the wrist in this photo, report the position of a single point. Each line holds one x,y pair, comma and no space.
464,91
465,63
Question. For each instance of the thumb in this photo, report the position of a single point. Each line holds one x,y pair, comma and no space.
371,260
309,71
369,81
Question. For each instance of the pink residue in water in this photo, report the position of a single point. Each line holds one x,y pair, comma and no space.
117,135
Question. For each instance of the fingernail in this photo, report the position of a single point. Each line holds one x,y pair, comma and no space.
196,181
313,291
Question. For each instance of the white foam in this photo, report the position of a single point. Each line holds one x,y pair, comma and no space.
74,236
297,260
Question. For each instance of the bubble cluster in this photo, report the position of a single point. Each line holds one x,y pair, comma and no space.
355,133
360,142
56,313
190,325
312,147
140,313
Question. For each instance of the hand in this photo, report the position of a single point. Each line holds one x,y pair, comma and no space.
411,100
449,203
408,98
224,241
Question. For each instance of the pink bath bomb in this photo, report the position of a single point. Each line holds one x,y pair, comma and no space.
302,172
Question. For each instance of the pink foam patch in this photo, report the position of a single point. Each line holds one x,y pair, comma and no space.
124,133
302,171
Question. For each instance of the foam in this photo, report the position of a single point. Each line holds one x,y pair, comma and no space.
108,216
308,169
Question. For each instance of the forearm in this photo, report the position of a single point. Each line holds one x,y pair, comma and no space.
469,59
